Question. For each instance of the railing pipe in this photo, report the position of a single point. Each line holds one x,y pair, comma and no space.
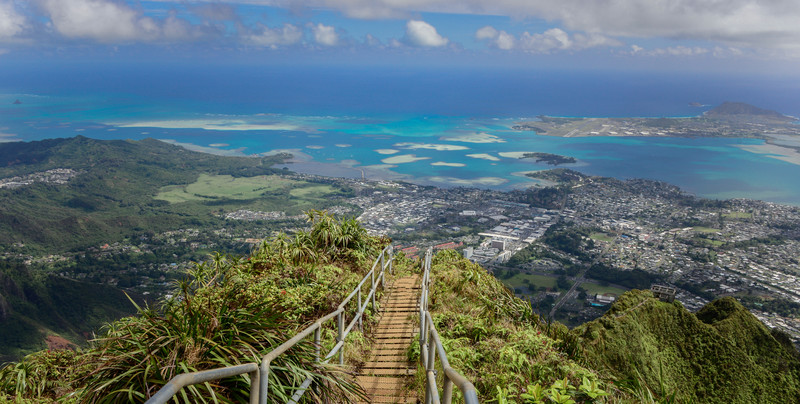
259,374
430,345
187,379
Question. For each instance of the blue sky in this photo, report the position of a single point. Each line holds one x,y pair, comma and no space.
759,36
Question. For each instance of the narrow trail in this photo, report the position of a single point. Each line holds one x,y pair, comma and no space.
387,373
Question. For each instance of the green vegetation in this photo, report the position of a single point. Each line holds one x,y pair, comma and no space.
123,192
228,311
34,305
533,281
738,215
550,159
702,229
113,194
533,252
233,310
266,192
635,279
723,354
598,236
223,186
559,175
548,197
570,240
593,289
496,341
782,307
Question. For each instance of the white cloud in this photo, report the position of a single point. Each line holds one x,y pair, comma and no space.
273,37
552,40
500,39
113,21
546,42
12,23
487,32
101,20
325,35
420,33
371,40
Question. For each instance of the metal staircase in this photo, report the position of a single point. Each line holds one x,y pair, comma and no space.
385,377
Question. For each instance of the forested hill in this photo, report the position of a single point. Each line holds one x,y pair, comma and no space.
61,194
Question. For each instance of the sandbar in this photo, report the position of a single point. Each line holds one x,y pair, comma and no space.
343,145
387,151
315,147
480,137
208,124
485,181
484,156
404,158
786,154
204,149
430,146
445,164
7,137
219,145
538,181
514,155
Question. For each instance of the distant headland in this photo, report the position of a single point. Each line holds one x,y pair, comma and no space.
730,119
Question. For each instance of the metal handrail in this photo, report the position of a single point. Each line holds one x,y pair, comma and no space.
259,374
430,344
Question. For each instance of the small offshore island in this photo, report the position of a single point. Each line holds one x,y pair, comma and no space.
549,158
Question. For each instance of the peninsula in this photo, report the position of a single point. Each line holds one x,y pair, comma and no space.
730,119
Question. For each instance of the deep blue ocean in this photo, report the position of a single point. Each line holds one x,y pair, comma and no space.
445,127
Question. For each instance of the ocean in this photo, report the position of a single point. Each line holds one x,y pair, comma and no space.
444,127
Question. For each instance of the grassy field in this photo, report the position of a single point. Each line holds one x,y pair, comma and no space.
712,243
225,187
702,229
737,215
601,237
312,191
593,288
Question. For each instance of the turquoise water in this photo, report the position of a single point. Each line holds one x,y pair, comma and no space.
417,133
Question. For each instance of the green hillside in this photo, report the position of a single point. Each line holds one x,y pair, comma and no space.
230,311
113,193
721,354
233,310
117,191
35,305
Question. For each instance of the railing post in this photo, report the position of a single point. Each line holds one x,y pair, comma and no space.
263,379
447,390
255,384
340,337
374,291
317,343
391,258
358,312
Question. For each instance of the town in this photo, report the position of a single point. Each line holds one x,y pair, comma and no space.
571,257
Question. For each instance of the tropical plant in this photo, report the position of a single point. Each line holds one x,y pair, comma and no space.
227,311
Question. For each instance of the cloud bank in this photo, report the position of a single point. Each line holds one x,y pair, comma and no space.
754,23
